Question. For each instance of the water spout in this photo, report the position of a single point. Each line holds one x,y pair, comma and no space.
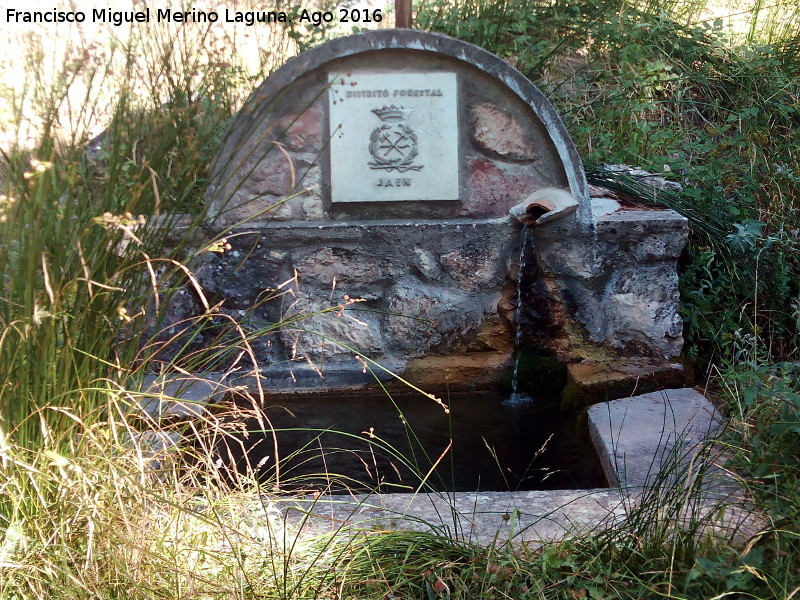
544,206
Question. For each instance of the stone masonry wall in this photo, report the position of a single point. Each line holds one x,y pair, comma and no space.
274,164
429,284
415,279
621,281
385,291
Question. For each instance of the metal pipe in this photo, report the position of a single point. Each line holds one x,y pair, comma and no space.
402,12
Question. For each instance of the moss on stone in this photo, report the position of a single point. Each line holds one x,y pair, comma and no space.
589,384
573,397
539,372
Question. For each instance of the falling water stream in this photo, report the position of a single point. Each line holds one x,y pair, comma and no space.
516,397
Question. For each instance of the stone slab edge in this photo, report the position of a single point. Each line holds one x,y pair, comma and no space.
484,518
635,436
533,518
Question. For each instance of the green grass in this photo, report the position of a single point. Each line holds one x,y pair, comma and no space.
88,508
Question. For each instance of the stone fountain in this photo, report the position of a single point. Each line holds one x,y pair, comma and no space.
373,193
375,190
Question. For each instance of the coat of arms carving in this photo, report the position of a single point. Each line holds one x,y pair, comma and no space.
393,145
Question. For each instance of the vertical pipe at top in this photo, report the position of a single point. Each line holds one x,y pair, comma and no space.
402,12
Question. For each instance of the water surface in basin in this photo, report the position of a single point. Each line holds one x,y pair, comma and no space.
486,442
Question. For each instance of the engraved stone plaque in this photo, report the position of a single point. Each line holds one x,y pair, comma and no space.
393,136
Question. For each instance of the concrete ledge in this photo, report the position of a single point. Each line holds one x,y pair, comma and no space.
355,227
589,383
666,218
301,377
480,517
485,518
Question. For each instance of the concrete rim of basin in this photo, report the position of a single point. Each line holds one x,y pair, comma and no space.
634,437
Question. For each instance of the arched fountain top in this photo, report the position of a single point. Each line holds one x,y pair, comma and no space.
375,47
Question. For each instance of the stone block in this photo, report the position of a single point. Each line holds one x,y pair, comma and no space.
319,331
497,132
604,206
303,132
422,317
344,265
312,207
494,187
426,264
480,370
637,436
641,304
273,174
475,266
591,382
649,234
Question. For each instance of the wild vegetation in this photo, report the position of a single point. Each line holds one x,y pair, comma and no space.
91,507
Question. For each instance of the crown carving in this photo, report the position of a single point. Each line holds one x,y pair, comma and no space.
392,113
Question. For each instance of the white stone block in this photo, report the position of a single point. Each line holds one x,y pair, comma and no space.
393,136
